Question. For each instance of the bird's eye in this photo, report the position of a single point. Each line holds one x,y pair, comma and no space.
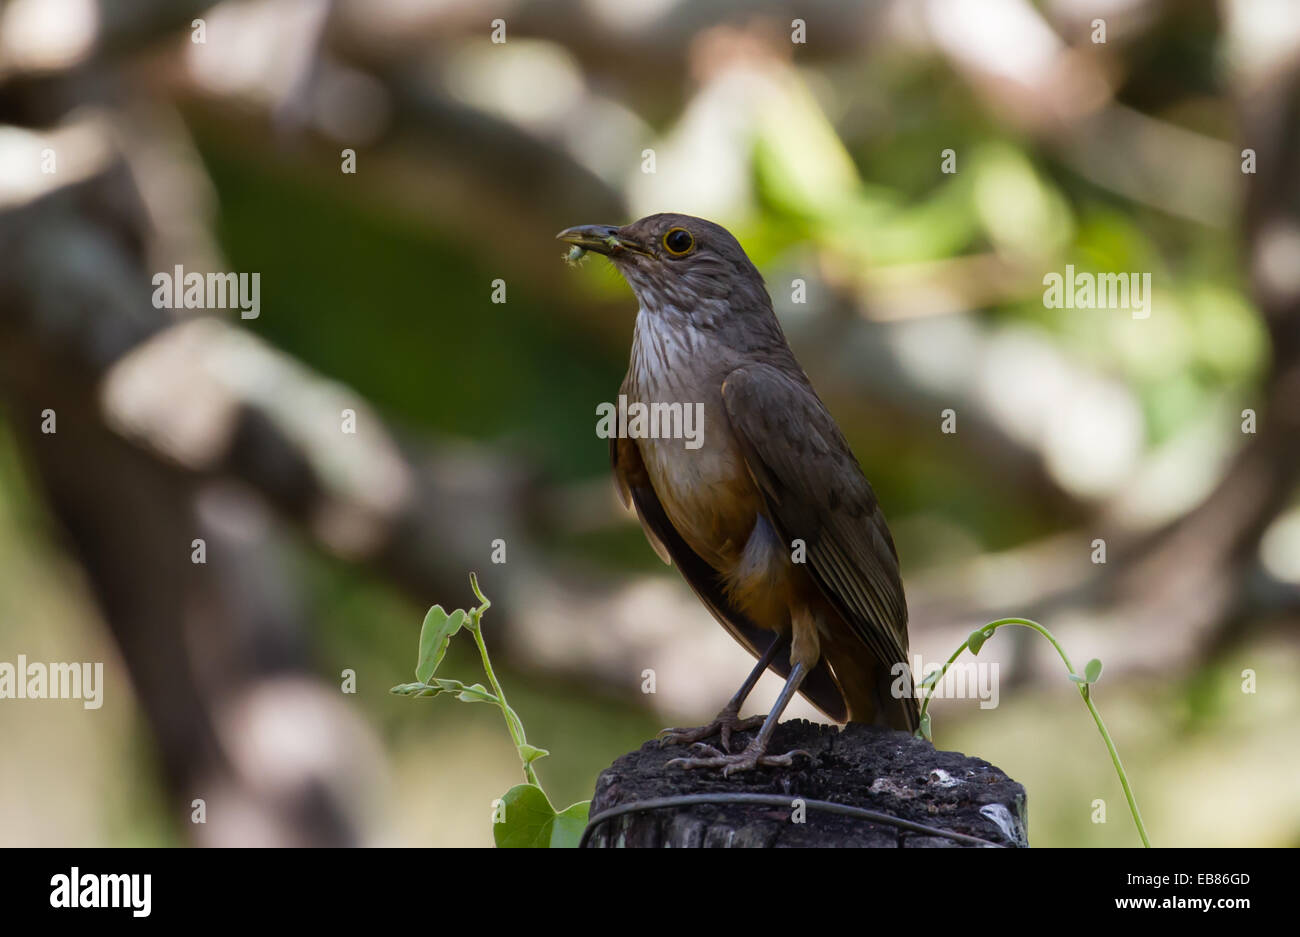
678,242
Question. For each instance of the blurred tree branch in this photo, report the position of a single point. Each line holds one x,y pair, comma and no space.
216,651
157,442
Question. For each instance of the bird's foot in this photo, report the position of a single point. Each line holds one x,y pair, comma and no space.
727,722
752,757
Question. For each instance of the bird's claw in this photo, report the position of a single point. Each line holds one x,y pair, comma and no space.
730,764
727,723
708,750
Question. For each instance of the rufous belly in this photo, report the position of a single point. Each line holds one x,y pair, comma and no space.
713,503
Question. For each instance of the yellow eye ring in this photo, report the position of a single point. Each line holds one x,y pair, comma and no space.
678,242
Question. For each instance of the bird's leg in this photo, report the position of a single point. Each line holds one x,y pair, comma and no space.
755,752
728,720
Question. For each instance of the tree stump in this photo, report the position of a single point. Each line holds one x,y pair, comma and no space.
883,770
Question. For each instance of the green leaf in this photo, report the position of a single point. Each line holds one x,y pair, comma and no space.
932,678
532,823
977,639
566,833
1093,670
924,729
1077,679
440,685
435,634
477,693
530,753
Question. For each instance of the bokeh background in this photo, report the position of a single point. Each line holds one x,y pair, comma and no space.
475,420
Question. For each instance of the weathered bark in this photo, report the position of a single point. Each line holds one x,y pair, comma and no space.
862,766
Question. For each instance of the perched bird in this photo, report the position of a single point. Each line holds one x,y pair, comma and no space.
769,518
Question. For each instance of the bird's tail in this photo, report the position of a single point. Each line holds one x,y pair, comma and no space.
896,702
874,693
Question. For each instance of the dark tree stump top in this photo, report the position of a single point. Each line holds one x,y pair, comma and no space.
862,766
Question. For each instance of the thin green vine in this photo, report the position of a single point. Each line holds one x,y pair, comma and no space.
523,816
1084,683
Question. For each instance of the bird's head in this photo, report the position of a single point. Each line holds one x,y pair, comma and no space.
678,265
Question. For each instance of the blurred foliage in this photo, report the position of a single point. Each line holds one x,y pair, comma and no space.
842,174
373,300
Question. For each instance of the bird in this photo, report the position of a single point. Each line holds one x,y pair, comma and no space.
769,517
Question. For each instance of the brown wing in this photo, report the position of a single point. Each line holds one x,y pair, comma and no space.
636,491
815,491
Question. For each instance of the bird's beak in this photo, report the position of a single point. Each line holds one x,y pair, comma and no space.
600,238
